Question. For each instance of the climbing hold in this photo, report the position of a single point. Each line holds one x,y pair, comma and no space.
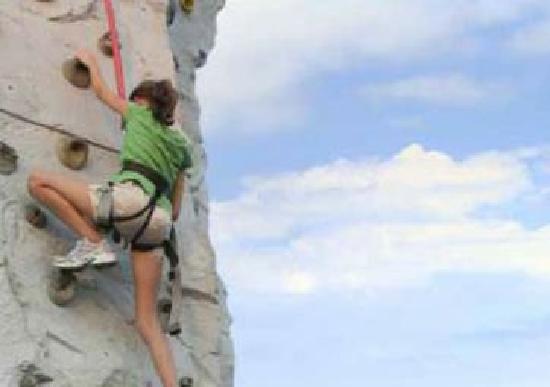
176,64
35,216
72,152
32,376
8,159
105,44
76,73
164,308
170,13
186,382
200,59
187,6
61,286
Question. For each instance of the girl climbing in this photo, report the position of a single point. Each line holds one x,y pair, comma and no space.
151,180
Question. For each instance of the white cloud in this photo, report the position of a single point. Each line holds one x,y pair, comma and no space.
267,51
375,224
449,90
533,39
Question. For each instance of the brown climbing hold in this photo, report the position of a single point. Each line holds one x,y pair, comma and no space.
8,159
72,152
105,44
35,216
187,6
76,73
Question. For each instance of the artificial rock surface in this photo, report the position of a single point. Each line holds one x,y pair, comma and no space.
92,342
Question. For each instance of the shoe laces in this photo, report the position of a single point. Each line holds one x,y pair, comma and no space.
82,246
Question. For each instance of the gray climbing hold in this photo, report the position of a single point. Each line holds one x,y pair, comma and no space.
200,59
8,159
72,152
35,216
31,376
164,308
186,382
76,73
61,286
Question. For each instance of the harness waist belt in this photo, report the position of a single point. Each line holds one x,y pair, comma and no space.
161,185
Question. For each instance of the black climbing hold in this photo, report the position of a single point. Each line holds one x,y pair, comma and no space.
105,44
76,73
170,13
174,329
200,59
186,382
72,152
187,6
35,216
176,63
164,307
8,159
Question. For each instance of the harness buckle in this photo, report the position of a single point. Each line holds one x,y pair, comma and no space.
104,216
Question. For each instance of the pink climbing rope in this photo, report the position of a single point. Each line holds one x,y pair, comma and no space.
119,71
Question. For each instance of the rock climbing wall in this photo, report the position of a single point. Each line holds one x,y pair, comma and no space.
92,341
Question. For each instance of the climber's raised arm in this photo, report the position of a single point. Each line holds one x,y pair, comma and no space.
103,92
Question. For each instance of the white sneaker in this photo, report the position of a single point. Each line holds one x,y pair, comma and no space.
84,253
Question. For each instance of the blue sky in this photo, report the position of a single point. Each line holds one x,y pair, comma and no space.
379,174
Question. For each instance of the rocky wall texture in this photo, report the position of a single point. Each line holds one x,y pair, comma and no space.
92,341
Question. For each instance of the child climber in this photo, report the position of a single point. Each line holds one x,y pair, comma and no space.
152,154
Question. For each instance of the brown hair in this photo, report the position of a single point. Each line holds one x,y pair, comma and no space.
162,98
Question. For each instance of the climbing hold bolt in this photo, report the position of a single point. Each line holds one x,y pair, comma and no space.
187,6
105,44
186,382
8,159
35,216
72,152
200,59
76,73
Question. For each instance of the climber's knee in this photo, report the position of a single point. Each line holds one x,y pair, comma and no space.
35,181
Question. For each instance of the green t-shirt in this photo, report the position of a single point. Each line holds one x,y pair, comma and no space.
148,142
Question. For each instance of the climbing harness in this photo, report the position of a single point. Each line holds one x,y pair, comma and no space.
107,220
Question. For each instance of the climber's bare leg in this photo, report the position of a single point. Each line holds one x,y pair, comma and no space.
68,198
147,268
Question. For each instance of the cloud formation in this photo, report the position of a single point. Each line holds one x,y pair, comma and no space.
267,52
447,90
533,39
379,224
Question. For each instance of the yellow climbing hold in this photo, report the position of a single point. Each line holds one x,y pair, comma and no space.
187,6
